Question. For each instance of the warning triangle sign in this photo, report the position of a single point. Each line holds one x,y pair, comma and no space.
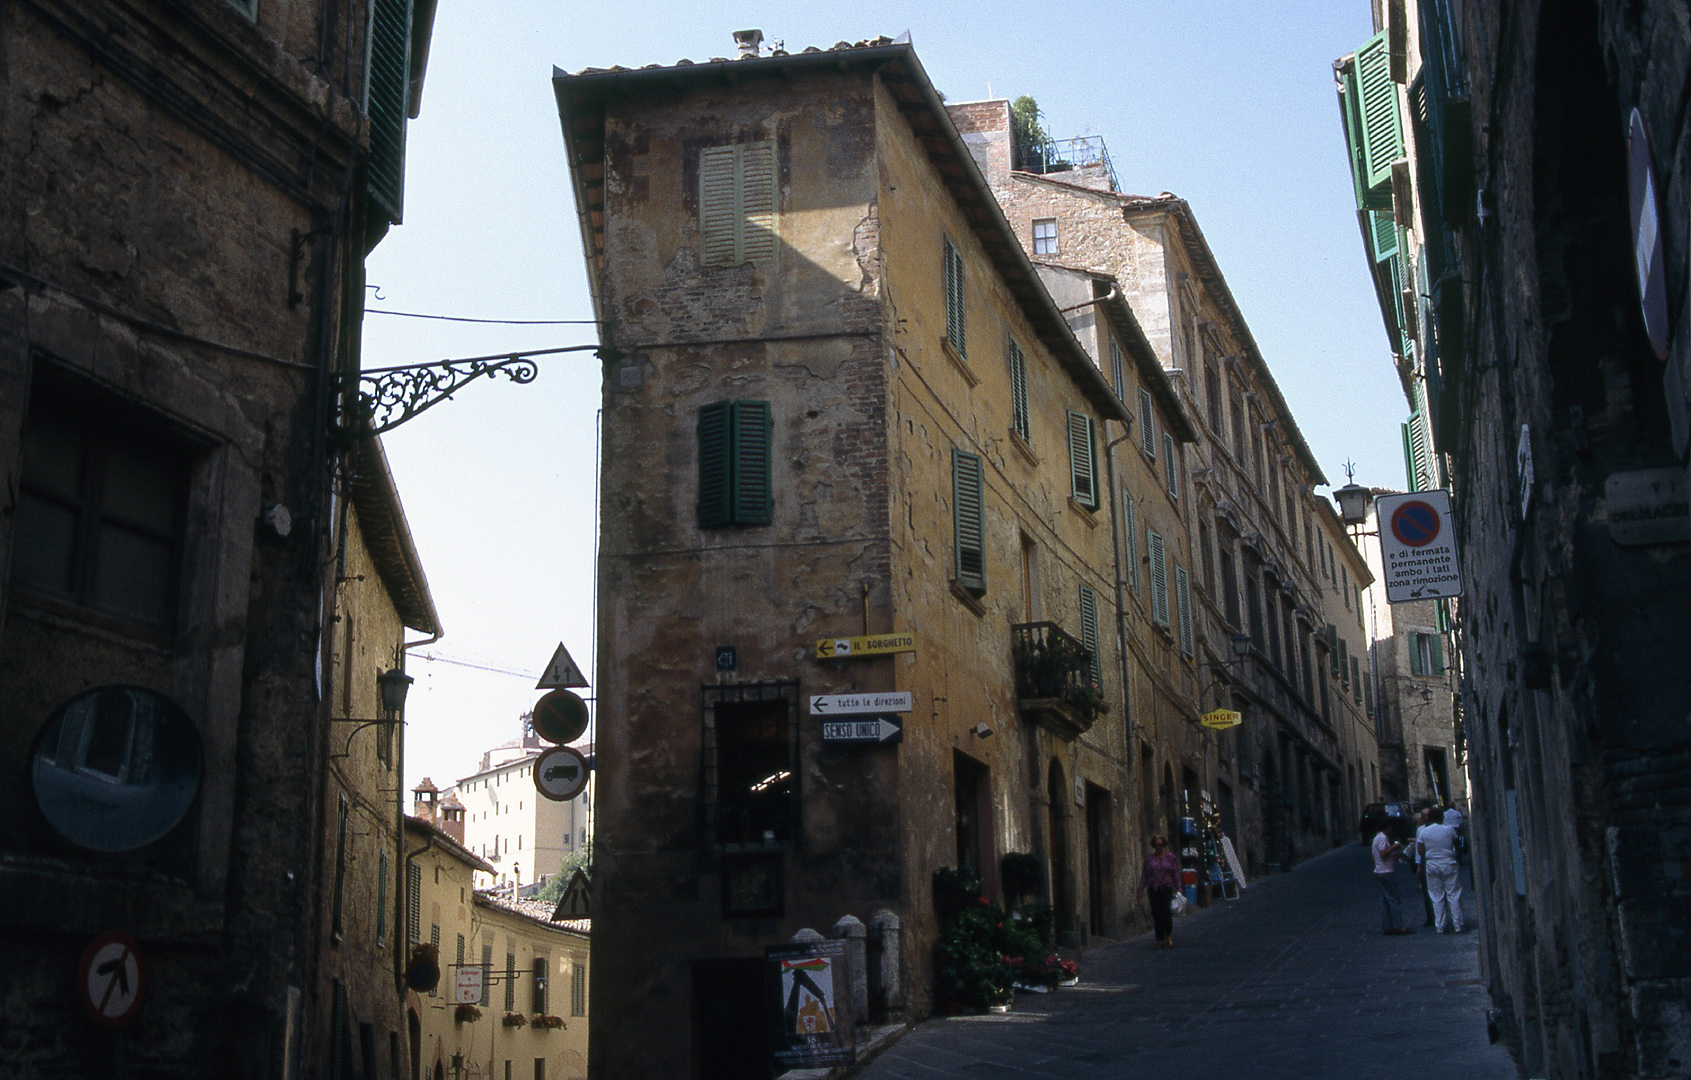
577,901
560,672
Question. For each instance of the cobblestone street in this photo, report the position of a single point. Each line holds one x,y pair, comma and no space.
1293,980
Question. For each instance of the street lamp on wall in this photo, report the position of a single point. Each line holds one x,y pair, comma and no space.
391,688
1353,500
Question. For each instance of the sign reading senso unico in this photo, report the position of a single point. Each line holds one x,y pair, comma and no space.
1418,546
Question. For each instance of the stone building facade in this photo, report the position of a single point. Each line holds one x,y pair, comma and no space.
1260,599
1548,188
190,190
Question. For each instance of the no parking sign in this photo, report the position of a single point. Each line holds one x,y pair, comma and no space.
1418,546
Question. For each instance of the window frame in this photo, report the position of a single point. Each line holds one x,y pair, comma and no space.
956,298
1083,459
968,522
735,442
1020,421
1050,247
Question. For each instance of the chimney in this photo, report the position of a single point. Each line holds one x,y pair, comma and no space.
749,41
427,797
452,816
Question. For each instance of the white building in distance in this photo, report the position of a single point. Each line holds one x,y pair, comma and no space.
523,834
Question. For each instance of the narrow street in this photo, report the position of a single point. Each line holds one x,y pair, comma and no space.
1292,980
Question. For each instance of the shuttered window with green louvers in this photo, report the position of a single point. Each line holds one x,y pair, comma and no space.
1089,635
1147,424
955,318
1171,468
1019,421
386,103
737,203
1083,473
413,903
1355,681
1183,606
1381,118
1417,447
1118,370
1130,517
1333,649
968,521
735,450
1159,578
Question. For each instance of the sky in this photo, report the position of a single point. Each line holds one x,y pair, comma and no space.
1229,105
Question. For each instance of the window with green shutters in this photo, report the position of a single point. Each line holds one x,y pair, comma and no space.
954,307
1118,370
1368,698
1355,681
1130,517
1183,606
413,903
735,448
1426,654
968,521
1159,578
1089,634
1147,424
1019,422
1344,663
1171,467
1418,460
737,203
387,103
1377,108
1083,474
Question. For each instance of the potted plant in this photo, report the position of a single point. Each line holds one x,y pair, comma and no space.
546,1022
975,957
466,1014
514,1019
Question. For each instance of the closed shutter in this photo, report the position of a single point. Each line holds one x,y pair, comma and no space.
510,982
968,522
1344,663
1368,698
1171,470
1436,641
486,975
738,195
1019,392
1159,578
1333,649
578,989
954,312
1147,424
541,997
387,103
1416,665
1118,370
1382,122
753,499
1089,632
460,954
1183,604
335,924
340,1048
1355,681
413,903
1082,475
1131,517
715,485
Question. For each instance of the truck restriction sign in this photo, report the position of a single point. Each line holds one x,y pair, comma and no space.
109,979
560,773
1418,546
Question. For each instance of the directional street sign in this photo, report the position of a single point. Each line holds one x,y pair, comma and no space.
109,979
1418,546
864,729
560,672
848,704
868,645
560,773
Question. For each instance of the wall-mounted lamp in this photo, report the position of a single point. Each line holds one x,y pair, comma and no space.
391,686
1353,499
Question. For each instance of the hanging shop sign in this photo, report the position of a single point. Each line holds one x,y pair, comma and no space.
868,645
466,985
1221,719
1647,235
864,729
811,1022
1418,546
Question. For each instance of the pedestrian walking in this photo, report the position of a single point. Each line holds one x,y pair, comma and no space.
1437,845
1385,876
1159,877
1422,820
1453,818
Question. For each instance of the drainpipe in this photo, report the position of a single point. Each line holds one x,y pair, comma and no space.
399,953
1121,598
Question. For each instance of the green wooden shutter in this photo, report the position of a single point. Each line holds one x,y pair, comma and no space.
1382,122
1147,424
752,495
1118,370
1019,421
1437,643
1183,605
1368,698
387,103
955,321
1416,667
1131,519
1159,578
1355,681
719,202
1171,470
715,479
968,521
413,903
1344,663
1333,649
756,218
1083,478
1089,632
1385,241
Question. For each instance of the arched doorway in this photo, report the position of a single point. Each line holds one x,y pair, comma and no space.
414,1029
1062,894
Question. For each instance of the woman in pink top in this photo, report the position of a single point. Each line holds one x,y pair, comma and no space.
1160,876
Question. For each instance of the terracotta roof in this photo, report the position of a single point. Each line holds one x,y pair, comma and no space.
538,911
444,840
582,100
387,535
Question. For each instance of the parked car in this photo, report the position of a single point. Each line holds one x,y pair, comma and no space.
1400,823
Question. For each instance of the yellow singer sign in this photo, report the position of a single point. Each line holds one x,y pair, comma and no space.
873,645
1220,719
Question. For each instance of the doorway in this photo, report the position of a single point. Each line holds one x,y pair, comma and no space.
1100,861
1062,896
730,1026
972,798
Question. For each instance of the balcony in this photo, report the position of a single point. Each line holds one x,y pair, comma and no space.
1054,682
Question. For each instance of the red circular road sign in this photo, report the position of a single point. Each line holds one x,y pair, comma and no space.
560,717
561,773
109,979
1416,524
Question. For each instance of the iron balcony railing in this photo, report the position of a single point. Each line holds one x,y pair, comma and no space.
1051,666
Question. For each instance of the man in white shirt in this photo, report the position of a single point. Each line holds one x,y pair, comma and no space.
1385,876
1437,844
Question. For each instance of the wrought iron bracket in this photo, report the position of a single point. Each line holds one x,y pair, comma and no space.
346,751
381,399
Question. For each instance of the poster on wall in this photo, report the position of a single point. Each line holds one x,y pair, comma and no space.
811,1018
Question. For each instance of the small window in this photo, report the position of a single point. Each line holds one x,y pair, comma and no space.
968,521
755,772
413,903
1083,475
954,307
1171,467
1045,236
734,464
1019,422
539,974
1147,424
578,989
1355,680
737,202
1426,654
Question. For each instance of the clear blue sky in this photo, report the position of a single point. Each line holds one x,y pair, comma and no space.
1229,105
